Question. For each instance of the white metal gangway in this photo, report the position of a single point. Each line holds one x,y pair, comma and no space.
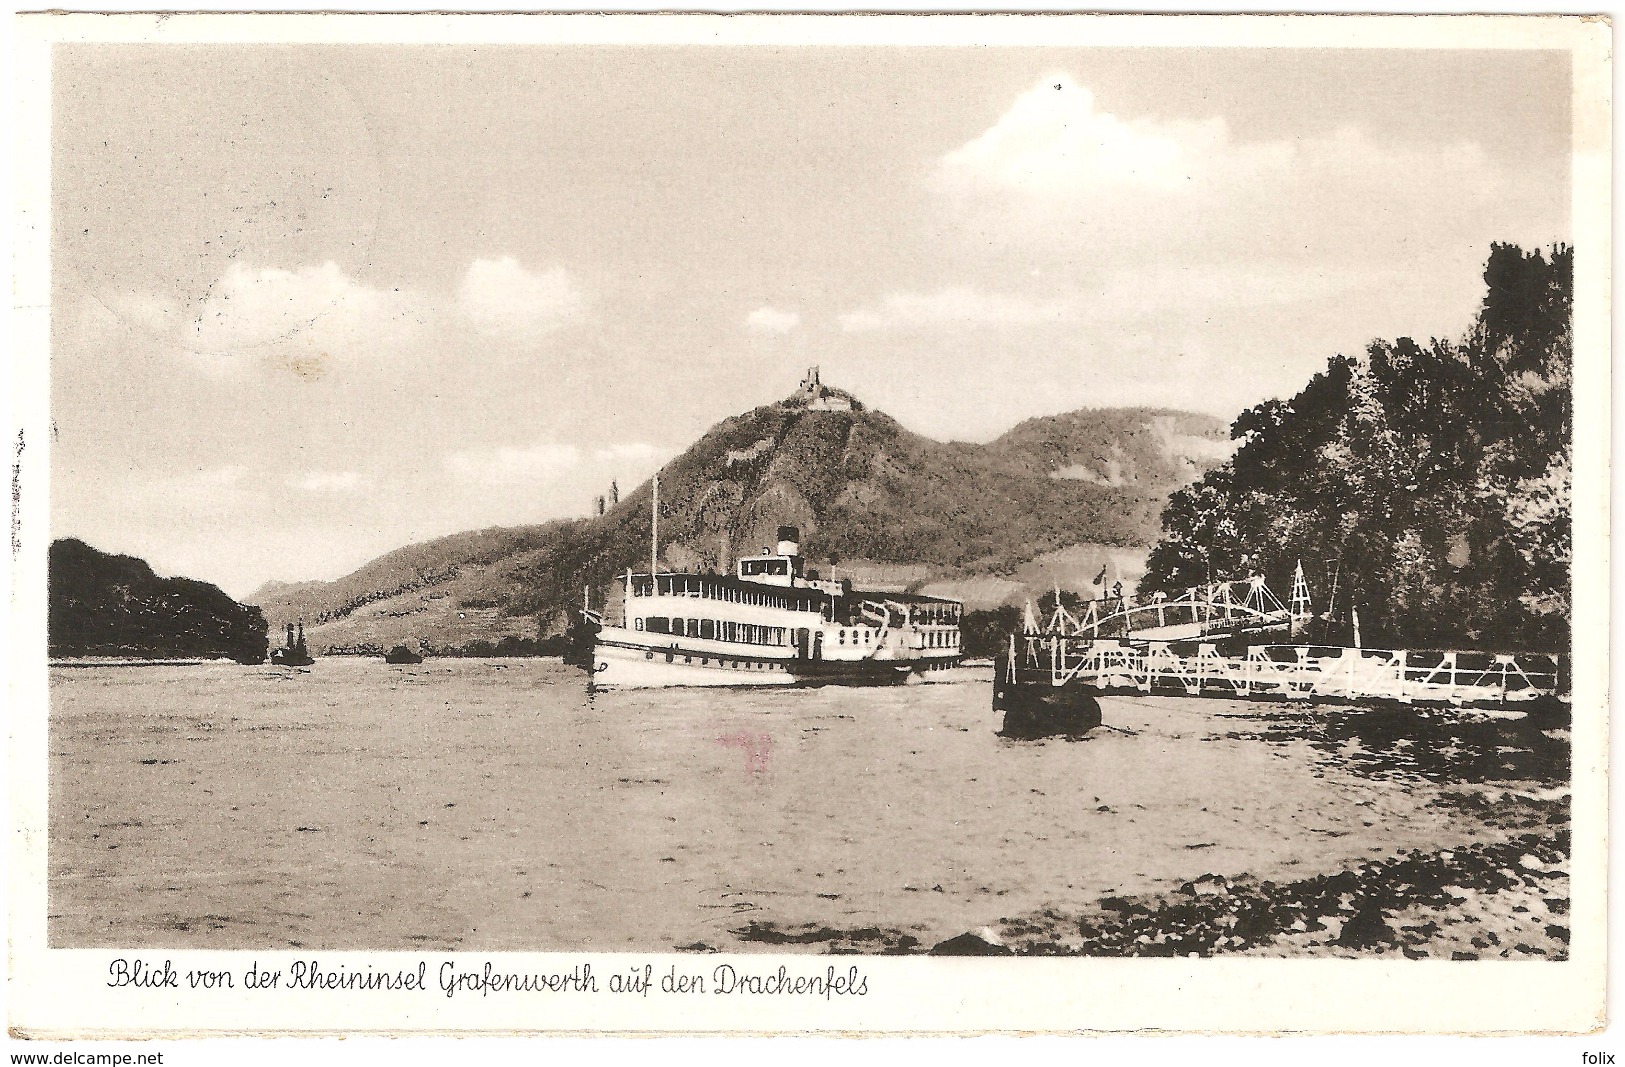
1128,644
1294,672
1217,609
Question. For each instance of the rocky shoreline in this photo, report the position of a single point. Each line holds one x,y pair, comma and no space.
1486,900
1507,900
1505,896
1499,899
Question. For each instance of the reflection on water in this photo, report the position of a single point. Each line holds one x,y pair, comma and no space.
493,805
1437,745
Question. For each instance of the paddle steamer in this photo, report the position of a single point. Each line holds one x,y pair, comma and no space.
772,622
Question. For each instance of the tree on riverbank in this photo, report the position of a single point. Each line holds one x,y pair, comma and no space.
110,605
1429,482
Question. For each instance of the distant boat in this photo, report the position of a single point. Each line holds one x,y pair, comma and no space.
402,654
294,653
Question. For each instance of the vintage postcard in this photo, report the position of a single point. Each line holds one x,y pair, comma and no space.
809,524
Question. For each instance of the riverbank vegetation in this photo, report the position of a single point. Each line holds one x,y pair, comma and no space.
115,606
1427,483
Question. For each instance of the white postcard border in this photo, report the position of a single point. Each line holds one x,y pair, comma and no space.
62,993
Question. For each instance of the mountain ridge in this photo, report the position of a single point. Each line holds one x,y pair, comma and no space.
874,501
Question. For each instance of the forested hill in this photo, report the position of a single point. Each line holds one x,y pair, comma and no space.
106,605
864,490
1429,483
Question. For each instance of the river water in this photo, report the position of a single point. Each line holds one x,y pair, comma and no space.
494,805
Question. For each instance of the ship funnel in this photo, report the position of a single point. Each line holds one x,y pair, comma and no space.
789,541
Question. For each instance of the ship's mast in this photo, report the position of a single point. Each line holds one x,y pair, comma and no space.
654,535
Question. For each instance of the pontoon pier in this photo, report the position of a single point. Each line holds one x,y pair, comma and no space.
1170,645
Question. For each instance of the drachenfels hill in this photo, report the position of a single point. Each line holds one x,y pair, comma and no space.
1056,497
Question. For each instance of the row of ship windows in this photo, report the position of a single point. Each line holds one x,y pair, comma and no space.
692,585
751,634
712,630
932,638
705,661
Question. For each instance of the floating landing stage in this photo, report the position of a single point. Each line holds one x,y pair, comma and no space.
1191,644
1294,672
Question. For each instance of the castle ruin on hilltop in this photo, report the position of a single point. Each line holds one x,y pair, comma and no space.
814,395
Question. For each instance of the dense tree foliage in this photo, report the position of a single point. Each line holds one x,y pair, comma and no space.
105,605
984,634
1429,484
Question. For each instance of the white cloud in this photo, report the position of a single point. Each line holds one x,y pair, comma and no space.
1068,187
1179,290
511,465
956,307
314,320
549,461
1192,288
772,320
1140,244
317,320
152,314
253,311
1053,137
205,494
326,481
500,298
630,452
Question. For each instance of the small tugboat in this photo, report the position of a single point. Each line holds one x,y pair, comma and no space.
1039,702
402,654
294,652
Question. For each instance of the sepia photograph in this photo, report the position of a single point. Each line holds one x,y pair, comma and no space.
737,501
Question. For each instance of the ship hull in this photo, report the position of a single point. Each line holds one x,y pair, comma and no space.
954,672
627,666
857,672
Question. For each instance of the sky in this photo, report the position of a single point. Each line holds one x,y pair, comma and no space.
310,304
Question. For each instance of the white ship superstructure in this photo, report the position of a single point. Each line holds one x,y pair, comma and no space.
771,623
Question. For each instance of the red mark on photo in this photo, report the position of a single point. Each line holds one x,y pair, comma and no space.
757,747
